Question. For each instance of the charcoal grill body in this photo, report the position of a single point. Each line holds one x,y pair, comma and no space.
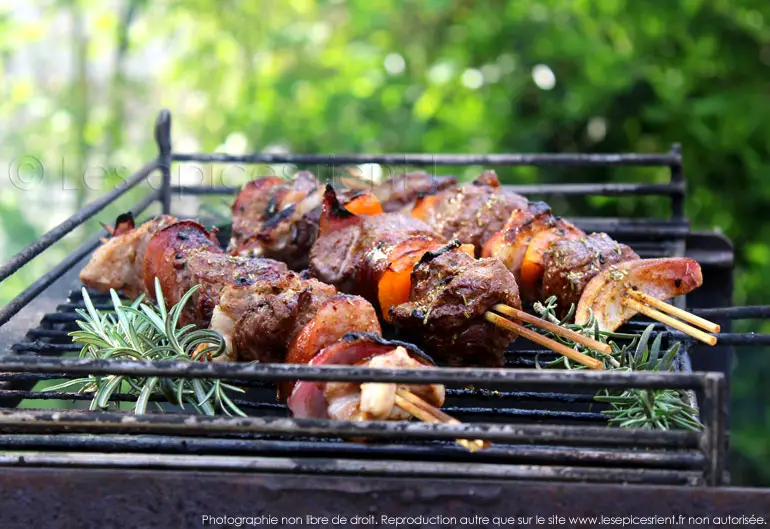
548,436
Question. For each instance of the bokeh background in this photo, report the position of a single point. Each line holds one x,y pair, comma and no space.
81,82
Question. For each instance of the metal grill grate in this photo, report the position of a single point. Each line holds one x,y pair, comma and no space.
544,423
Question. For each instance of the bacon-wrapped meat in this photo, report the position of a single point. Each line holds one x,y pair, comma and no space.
285,225
570,264
389,259
401,191
357,401
185,254
119,262
180,254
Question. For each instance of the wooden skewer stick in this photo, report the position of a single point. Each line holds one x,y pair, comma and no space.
552,327
671,322
538,338
414,405
683,315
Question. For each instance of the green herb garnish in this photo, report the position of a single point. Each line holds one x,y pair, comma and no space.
143,331
661,409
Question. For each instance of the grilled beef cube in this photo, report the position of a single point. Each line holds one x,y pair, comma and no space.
337,255
184,255
450,293
265,320
571,264
474,212
255,319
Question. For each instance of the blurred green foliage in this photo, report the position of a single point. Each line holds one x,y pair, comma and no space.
404,76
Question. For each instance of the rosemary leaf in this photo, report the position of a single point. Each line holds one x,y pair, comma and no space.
630,408
144,331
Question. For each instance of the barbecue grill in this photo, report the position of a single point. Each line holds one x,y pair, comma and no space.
549,437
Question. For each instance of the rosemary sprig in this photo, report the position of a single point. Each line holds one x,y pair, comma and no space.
142,331
630,408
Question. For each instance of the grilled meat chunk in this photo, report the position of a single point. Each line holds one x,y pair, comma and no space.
570,264
256,202
184,254
255,318
450,293
471,213
119,262
278,220
337,255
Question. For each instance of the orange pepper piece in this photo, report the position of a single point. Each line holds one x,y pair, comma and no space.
422,207
365,204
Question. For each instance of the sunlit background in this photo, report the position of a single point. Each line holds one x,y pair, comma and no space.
81,82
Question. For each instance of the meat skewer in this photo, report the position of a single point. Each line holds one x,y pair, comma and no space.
483,214
279,219
267,313
432,289
551,257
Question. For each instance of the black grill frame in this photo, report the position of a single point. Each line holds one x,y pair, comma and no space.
40,429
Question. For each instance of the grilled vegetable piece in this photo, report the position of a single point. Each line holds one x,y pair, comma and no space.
185,254
471,213
119,262
450,293
364,203
355,401
569,265
659,278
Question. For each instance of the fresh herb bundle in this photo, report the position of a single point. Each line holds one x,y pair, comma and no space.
143,331
661,409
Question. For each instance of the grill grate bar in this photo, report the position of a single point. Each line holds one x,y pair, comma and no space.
20,301
672,158
57,233
595,189
458,411
84,421
445,375
430,450
363,467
